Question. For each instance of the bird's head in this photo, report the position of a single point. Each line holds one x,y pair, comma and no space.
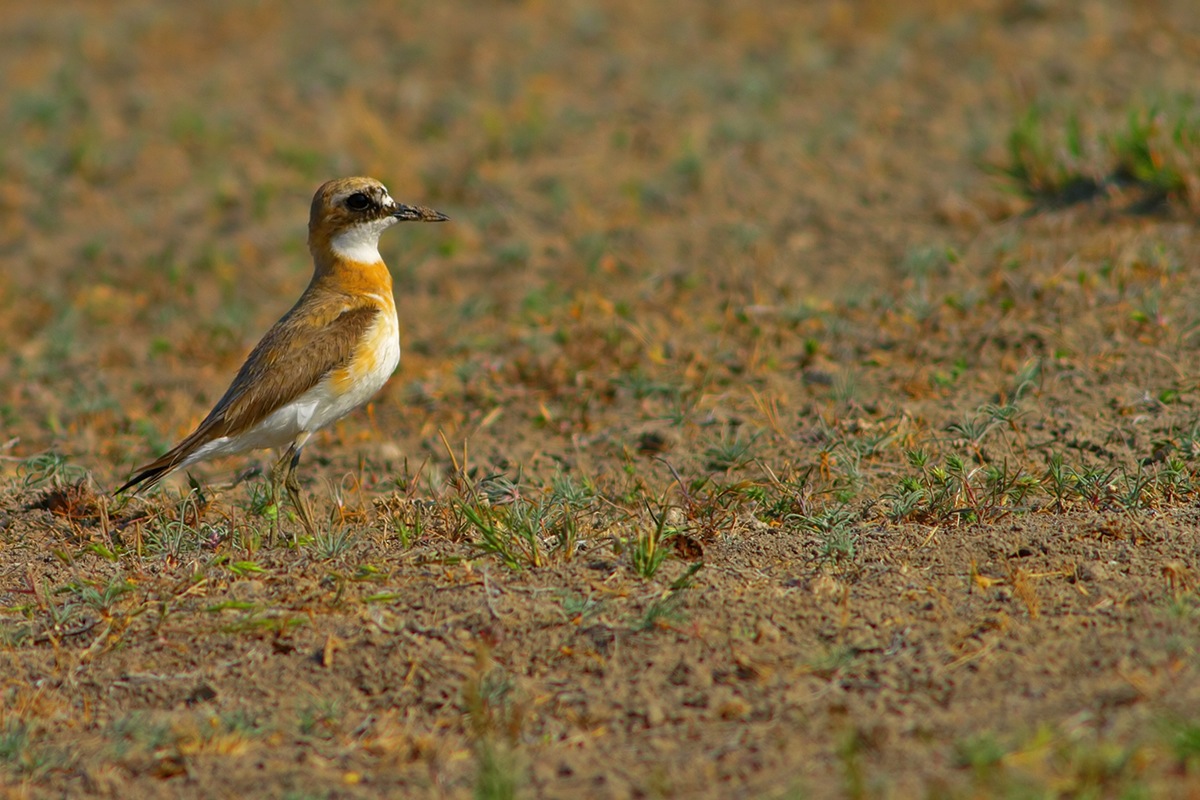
349,214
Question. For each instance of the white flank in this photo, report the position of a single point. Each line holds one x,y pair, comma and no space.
319,406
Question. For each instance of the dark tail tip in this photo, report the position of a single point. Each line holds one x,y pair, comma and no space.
143,480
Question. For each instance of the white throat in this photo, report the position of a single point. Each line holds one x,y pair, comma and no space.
361,242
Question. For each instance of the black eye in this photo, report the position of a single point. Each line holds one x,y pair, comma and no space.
358,202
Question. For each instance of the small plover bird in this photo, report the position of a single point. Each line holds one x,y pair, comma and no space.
330,354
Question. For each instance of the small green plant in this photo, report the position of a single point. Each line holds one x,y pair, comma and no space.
180,533
907,500
320,718
29,754
1059,480
14,743
515,548
1152,147
333,542
646,547
48,469
831,660
839,544
496,717
1131,492
261,503
982,754
925,262
787,495
1174,481
242,723
846,387
410,529
568,491
1185,744
661,613
1047,161
99,597
577,606
1055,161
850,755
246,568
730,452
498,776
688,169
642,385
1094,486
974,429
835,528
667,608
136,732
521,531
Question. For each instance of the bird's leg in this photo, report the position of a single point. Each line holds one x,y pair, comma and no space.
293,487
279,474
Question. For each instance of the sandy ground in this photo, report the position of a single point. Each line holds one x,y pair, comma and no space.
755,435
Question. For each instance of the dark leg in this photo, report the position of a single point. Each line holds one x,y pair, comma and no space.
293,487
278,476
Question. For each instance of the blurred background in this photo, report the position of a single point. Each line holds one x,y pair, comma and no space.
629,183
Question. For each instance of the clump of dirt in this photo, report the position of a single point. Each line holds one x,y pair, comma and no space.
76,502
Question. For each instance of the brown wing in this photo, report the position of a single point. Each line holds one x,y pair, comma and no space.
293,356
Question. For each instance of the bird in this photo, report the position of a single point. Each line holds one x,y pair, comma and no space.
328,355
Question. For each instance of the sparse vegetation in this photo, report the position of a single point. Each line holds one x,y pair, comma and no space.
749,439
1058,160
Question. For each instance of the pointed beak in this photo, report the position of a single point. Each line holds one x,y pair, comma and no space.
418,213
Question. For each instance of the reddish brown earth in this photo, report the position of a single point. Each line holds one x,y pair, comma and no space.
741,284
